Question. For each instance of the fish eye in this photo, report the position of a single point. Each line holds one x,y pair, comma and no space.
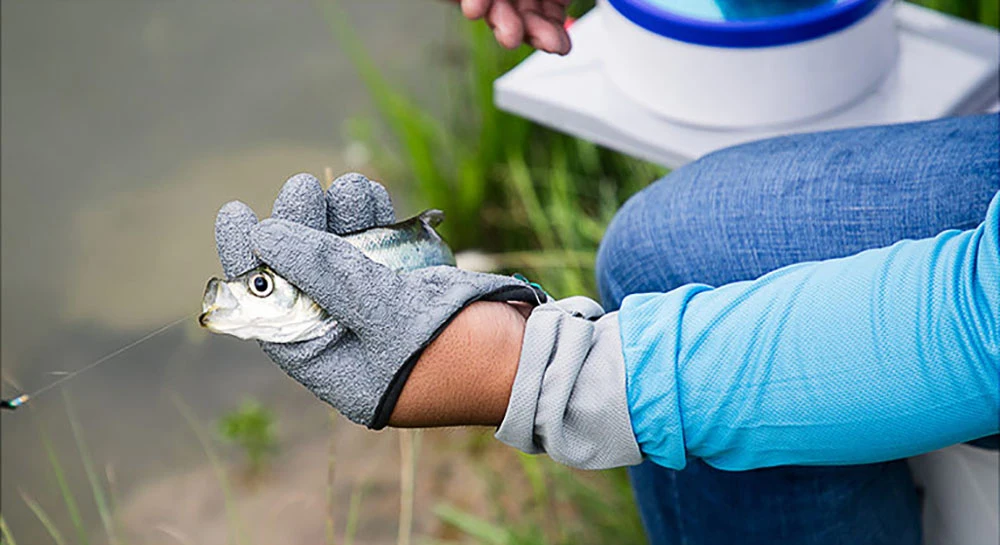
260,285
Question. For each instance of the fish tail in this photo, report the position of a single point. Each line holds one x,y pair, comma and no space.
432,217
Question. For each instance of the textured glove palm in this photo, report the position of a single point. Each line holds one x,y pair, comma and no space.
385,319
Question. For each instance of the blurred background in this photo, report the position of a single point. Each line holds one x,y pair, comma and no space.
125,126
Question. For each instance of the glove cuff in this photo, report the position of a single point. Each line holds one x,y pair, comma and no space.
569,397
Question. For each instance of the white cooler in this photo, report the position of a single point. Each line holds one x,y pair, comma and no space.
677,59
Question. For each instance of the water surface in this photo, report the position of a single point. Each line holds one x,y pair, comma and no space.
125,125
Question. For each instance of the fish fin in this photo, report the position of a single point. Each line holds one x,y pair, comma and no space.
432,217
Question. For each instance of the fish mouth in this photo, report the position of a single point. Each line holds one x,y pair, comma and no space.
209,305
203,318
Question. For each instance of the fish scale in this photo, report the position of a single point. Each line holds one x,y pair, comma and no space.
407,245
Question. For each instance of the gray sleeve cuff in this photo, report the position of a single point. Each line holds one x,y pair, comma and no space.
569,398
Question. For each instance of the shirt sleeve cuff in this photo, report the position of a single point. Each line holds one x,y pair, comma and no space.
569,398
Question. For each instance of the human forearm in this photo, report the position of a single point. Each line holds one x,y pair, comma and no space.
464,377
881,355
554,383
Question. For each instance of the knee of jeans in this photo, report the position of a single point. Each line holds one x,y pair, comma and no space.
666,235
625,255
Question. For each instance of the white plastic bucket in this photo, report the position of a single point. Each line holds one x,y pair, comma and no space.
734,83
961,495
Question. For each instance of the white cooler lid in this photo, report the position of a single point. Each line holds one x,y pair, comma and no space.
946,66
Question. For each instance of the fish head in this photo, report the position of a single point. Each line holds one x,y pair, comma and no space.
264,306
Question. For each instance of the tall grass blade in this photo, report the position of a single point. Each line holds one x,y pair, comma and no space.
109,473
563,208
532,468
546,515
88,467
354,512
232,513
409,445
67,495
331,466
178,536
520,178
6,538
43,517
475,527
609,510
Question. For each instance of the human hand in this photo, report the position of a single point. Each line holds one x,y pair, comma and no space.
386,320
538,23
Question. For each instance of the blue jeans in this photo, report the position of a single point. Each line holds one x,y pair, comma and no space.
742,212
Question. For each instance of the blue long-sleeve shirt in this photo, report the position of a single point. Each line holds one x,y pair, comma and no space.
881,355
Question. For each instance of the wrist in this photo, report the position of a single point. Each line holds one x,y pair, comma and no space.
465,376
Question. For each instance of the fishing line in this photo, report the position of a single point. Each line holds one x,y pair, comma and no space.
23,398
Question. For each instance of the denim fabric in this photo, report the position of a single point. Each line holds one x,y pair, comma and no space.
742,212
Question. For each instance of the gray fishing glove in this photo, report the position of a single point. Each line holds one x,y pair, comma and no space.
385,319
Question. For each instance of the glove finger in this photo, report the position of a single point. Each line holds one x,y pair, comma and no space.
232,238
354,289
301,200
355,203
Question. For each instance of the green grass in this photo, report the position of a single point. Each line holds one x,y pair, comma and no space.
600,511
251,427
6,538
981,11
237,533
96,487
354,512
69,501
44,518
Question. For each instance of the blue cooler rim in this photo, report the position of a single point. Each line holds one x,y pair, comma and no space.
767,32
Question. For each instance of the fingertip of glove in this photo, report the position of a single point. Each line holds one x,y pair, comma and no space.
234,211
301,199
350,178
354,202
232,227
350,189
385,212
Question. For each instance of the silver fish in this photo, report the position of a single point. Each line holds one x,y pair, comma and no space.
262,305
